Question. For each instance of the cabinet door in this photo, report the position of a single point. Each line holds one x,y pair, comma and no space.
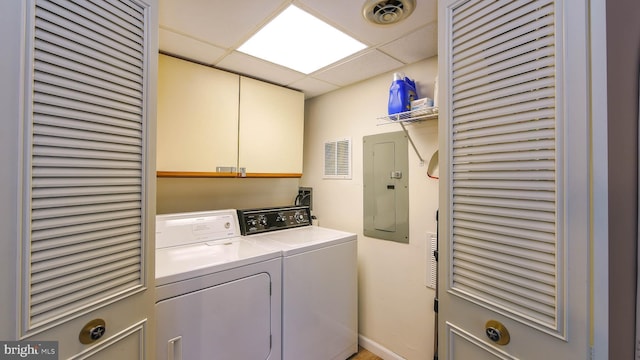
197,117
271,128
81,160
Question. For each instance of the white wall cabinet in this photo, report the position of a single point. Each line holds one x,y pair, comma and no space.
208,119
78,187
271,129
197,117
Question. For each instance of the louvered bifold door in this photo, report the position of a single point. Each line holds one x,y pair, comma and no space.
83,236
506,243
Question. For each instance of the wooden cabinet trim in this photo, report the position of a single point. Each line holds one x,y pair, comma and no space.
196,174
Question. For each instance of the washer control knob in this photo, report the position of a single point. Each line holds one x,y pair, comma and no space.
299,217
262,220
280,217
252,222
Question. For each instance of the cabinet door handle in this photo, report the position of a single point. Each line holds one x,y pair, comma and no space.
174,348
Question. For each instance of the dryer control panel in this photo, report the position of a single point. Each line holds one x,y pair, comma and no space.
254,221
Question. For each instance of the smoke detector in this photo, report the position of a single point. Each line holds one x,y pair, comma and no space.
387,12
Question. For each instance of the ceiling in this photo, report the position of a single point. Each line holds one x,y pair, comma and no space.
209,31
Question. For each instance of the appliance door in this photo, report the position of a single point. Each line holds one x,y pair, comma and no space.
320,315
229,321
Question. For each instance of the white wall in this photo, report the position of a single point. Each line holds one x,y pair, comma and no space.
395,306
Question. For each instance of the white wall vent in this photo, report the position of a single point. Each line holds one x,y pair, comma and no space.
337,159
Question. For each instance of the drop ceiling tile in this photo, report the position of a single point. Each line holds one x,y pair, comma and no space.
189,48
347,16
362,67
248,65
312,87
219,22
206,30
420,44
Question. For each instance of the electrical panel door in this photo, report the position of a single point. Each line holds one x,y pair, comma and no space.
386,186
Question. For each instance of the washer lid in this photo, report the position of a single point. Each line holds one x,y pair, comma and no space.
298,240
185,262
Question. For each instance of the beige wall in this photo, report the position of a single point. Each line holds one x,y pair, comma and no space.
183,195
623,57
395,306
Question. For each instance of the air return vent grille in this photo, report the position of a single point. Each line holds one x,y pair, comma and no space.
337,159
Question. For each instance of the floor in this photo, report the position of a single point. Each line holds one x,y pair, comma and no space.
364,354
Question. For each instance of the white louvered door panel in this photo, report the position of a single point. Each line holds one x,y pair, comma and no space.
504,173
509,130
84,234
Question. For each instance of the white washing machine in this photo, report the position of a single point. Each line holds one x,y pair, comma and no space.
319,276
218,296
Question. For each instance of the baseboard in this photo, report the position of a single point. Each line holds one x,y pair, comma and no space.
378,349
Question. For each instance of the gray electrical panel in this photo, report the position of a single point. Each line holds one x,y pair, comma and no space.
386,186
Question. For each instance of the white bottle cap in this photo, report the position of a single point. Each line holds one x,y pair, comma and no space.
398,76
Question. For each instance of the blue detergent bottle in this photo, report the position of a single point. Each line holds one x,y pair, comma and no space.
401,93
412,91
397,94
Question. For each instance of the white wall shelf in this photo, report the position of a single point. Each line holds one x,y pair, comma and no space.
408,117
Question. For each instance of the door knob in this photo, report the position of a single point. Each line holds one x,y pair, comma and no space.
497,332
92,331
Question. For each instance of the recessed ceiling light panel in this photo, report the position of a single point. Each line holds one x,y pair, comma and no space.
300,41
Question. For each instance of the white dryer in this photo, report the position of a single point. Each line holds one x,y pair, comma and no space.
319,275
218,296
